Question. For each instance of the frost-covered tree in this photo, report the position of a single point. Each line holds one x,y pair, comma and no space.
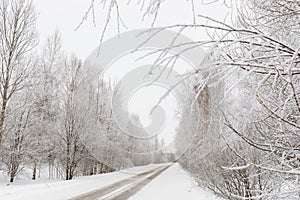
17,144
259,57
18,37
71,145
47,94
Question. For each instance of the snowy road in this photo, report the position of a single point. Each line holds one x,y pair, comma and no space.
123,189
154,181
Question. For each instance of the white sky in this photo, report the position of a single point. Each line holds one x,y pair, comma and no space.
65,15
146,97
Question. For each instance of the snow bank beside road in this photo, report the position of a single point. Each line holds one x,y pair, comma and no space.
174,184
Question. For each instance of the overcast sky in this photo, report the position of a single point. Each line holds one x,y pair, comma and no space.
66,15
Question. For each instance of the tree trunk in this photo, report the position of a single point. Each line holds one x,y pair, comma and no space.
3,110
12,177
34,171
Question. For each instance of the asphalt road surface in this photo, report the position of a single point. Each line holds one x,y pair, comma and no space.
124,189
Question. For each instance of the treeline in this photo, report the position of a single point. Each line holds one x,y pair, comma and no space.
245,125
46,120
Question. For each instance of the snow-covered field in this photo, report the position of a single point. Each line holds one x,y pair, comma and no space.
174,183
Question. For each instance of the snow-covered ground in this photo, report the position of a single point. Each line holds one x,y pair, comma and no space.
61,190
174,183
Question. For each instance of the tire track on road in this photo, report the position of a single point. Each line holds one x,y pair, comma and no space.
131,191
122,189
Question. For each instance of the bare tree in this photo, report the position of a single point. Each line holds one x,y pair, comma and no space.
17,38
47,94
259,58
18,142
71,125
